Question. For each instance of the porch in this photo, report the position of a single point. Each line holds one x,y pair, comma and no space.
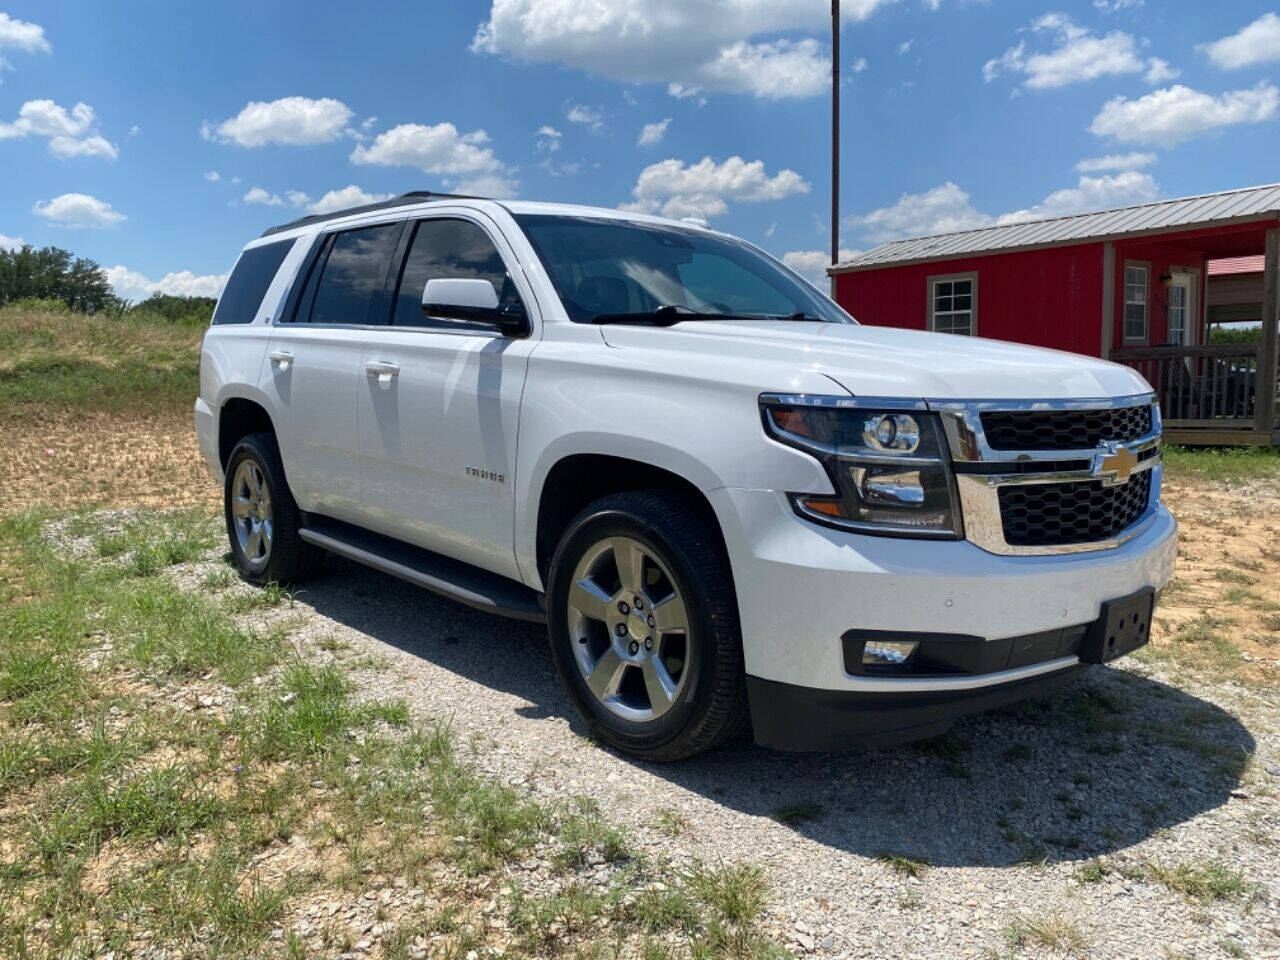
1210,393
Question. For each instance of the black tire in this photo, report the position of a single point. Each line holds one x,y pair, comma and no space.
290,559
712,705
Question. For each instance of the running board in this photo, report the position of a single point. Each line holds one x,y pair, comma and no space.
450,578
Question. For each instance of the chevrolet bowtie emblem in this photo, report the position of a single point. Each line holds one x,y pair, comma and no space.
1114,464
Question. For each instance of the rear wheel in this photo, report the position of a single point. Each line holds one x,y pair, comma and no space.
262,518
644,627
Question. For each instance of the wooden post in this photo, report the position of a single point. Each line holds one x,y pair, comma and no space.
1264,401
1108,298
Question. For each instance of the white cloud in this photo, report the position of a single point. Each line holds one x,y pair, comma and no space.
213,176
948,208
1170,116
1091,193
1115,6
11,243
350,196
131,285
578,113
1116,161
1077,55
260,196
546,139
295,121
652,133
22,35
493,185
708,45
673,189
1159,71
812,264
438,149
905,46
859,65
78,210
942,209
1259,42
71,133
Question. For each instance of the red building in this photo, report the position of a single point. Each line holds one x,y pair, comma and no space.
1127,284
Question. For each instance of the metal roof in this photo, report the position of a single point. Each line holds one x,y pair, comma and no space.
1147,217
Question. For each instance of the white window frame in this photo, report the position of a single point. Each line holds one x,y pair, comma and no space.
931,294
1145,267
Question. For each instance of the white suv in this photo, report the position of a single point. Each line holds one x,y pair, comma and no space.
733,506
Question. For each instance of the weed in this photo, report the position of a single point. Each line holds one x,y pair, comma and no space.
904,866
794,814
1052,931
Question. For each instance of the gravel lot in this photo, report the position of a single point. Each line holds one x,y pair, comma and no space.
1068,815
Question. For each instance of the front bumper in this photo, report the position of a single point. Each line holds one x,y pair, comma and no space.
801,587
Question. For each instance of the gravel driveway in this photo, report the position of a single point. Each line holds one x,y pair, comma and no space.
1064,815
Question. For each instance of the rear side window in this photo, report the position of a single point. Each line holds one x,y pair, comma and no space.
352,276
249,281
448,249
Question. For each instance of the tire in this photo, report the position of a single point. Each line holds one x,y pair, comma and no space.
286,558
679,552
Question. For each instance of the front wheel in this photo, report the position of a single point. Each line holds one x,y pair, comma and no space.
643,624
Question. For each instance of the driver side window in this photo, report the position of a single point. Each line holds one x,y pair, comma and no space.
448,249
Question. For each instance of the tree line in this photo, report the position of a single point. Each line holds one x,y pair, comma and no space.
51,273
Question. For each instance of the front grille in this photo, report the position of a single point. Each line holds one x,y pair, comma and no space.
1064,429
1059,514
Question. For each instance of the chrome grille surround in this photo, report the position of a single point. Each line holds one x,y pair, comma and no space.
982,471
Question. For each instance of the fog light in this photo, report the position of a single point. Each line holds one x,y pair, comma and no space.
887,653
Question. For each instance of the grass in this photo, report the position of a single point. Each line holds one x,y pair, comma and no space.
794,814
173,782
51,357
904,866
1225,464
1052,931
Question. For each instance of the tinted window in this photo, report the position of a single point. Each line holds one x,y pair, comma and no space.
353,275
445,249
249,281
604,266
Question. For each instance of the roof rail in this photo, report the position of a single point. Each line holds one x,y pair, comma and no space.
403,200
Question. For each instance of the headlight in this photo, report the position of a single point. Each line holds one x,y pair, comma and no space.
888,466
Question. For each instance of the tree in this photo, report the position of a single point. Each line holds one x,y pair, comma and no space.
51,273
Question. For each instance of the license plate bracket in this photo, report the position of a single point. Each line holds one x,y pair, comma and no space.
1124,626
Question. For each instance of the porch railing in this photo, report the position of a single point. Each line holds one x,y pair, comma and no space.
1205,386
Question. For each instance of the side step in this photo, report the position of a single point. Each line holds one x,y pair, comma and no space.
450,578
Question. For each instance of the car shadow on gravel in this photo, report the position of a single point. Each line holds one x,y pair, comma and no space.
1100,764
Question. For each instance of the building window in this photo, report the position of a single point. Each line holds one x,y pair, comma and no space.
1135,302
953,304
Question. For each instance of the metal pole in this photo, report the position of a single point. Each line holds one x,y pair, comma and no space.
835,132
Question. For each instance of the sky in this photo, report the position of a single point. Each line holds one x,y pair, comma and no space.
157,139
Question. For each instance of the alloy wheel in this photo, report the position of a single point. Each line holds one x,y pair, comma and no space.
630,629
251,514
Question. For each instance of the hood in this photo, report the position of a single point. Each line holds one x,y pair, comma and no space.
884,362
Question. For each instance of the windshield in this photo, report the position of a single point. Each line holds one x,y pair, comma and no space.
609,268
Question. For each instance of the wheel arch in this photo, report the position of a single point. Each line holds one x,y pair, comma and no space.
238,416
574,480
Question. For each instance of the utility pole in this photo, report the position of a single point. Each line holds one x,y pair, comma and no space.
835,132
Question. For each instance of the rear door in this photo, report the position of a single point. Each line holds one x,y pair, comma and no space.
439,401
314,366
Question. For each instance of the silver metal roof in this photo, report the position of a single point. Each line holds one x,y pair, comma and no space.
1208,208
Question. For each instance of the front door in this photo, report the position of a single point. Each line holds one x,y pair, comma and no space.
1181,307
314,368
439,404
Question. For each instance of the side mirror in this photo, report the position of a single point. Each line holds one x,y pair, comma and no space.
475,301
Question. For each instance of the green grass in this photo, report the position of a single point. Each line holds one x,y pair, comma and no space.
794,814
125,809
904,866
1222,463
1052,931
53,358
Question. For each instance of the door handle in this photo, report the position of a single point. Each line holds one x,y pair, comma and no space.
283,358
383,370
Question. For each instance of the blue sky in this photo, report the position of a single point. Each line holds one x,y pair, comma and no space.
158,138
